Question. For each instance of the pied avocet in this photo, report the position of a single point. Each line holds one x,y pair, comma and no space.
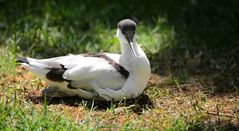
91,75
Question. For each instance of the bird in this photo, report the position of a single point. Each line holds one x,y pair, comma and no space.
96,75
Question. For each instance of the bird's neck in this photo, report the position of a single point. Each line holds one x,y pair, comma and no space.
139,68
126,52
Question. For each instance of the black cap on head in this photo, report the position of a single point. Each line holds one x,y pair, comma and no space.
127,24
127,27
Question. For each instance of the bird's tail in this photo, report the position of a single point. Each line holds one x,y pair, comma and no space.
34,65
24,62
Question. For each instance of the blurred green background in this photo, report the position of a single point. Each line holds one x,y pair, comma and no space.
181,38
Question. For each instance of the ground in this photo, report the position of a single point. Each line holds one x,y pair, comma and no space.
163,105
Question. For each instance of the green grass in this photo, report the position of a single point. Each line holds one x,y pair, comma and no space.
19,115
192,46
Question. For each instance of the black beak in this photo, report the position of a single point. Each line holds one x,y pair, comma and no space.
130,36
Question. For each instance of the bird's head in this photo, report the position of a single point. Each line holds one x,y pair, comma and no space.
126,33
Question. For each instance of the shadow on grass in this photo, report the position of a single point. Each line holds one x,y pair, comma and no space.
139,103
217,75
211,24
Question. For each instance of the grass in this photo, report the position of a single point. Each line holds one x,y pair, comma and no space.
192,47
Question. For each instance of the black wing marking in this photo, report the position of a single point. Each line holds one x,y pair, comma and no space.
55,74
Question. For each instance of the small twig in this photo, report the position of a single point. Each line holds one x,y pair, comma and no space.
77,117
130,106
218,114
221,114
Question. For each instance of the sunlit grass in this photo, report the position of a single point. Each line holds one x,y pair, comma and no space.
19,114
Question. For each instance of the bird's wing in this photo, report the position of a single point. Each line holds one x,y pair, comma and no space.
88,68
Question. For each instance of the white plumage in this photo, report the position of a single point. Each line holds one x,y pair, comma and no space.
105,75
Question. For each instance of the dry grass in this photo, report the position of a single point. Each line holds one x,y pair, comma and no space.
163,105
